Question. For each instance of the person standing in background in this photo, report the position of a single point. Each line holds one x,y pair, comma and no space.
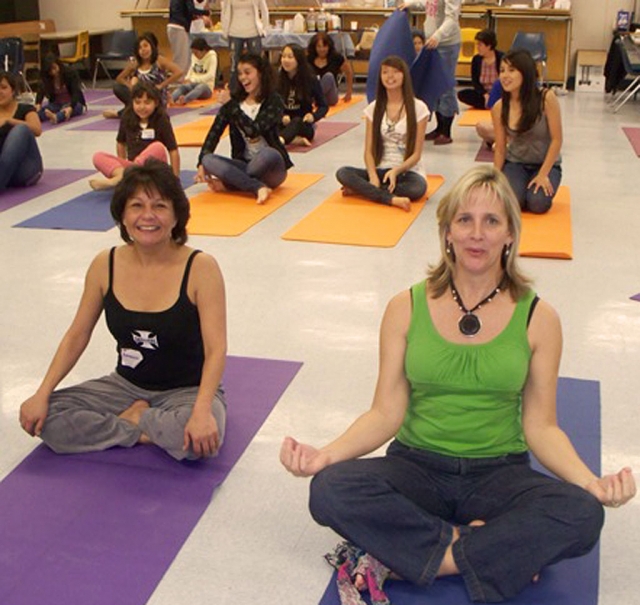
181,14
244,22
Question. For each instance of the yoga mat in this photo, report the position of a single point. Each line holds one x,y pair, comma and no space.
100,96
341,105
358,222
232,213
636,297
51,179
197,104
571,582
484,153
549,235
633,134
471,117
89,211
430,77
103,528
325,131
112,124
194,133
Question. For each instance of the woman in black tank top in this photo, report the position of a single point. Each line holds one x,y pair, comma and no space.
165,306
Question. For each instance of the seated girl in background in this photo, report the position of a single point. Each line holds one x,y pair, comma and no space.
20,159
62,88
201,77
327,64
300,92
259,161
145,131
485,70
529,120
148,66
396,122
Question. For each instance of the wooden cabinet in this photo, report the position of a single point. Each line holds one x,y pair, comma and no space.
556,27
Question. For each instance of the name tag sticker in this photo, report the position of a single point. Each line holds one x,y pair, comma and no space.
130,358
148,134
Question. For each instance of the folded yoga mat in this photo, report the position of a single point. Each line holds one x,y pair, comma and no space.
633,134
51,179
325,131
471,117
358,222
231,214
484,153
549,235
194,133
341,105
103,528
571,582
89,211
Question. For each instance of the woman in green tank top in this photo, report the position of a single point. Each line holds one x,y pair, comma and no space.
466,388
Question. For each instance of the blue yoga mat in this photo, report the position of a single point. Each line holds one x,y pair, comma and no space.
571,582
103,528
88,212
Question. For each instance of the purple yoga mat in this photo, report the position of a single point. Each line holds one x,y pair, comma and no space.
484,154
51,179
633,134
103,528
636,297
325,131
100,96
112,124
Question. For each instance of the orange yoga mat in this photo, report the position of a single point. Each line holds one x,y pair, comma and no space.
358,222
471,117
194,133
234,213
341,105
549,235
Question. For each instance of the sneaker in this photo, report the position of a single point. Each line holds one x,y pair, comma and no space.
442,139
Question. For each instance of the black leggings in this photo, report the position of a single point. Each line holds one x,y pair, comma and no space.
297,128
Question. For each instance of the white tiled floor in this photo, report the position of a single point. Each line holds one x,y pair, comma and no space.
321,304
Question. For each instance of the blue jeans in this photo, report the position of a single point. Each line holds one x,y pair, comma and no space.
330,89
236,48
266,168
76,110
20,159
447,104
401,509
520,175
408,184
192,91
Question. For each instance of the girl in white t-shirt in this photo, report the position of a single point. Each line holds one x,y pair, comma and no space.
396,123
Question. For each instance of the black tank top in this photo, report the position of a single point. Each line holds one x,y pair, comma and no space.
157,350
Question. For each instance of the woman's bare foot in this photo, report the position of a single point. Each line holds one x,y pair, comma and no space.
102,184
180,100
346,191
301,141
216,185
133,414
110,114
404,203
51,116
262,195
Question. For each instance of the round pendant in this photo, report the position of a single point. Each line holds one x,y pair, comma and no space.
469,324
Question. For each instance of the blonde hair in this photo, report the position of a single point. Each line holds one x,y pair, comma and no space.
492,183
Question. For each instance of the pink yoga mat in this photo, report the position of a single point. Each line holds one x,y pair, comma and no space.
633,134
325,131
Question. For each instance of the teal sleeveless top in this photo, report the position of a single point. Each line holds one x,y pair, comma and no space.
465,400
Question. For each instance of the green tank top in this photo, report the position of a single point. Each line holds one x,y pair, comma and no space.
465,400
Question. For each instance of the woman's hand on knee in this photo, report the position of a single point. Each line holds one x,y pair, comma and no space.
543,182
302,460
33,413
201,433
614,490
